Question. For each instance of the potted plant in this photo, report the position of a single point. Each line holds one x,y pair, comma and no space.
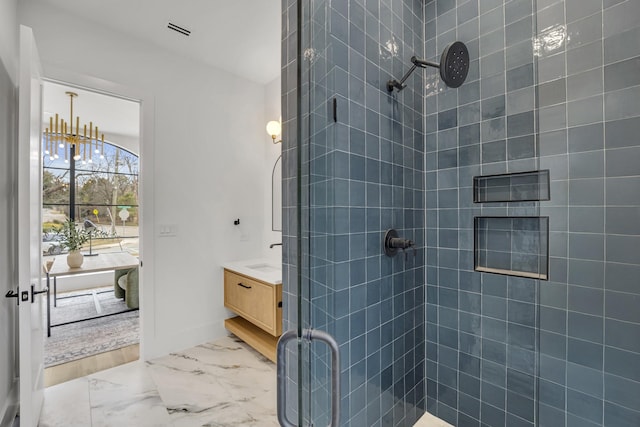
73,237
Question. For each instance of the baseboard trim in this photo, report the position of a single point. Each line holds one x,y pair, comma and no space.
152,346
10,409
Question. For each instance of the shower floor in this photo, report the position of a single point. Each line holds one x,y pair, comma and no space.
429,420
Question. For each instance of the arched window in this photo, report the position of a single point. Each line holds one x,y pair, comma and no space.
102,191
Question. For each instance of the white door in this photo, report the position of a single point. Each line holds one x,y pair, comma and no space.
31,305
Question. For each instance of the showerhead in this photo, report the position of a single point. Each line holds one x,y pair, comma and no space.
454,64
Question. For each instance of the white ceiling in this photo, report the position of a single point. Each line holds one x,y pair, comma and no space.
238,36
117,118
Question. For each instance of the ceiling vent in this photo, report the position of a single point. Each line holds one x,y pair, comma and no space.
178,29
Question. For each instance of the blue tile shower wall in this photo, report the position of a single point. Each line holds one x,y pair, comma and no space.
589,121
366,174
509,351
481,328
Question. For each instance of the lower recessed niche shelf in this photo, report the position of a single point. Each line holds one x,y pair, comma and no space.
514,246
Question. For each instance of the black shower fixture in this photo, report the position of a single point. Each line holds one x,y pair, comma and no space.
454,66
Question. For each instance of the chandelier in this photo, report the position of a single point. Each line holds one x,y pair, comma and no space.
63,135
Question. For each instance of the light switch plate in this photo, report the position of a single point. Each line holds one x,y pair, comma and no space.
167,230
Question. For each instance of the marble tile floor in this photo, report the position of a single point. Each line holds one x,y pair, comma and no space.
223,383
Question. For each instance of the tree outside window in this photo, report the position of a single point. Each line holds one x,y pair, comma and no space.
103,189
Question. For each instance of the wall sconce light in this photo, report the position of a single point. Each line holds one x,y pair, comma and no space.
273,129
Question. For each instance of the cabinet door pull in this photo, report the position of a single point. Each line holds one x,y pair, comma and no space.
244,286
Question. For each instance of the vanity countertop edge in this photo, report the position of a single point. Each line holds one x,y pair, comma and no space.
264,270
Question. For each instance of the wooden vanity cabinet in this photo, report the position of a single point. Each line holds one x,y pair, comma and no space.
259,306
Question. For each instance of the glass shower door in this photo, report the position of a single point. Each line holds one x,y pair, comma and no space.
308,365
318,372
359,171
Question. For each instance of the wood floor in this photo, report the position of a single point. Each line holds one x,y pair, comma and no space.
89,365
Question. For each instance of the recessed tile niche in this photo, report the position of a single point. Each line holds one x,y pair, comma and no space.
515,246
513,187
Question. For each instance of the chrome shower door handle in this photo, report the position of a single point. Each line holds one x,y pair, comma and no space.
281,364
326,338
310,335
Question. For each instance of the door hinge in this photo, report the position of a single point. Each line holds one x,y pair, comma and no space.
334,109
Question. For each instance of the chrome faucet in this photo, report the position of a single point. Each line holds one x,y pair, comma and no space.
274,244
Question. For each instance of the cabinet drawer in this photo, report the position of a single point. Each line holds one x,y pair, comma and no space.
255,301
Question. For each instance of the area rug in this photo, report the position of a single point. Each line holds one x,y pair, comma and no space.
90,337
84,304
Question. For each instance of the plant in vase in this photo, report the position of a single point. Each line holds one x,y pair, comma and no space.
73,237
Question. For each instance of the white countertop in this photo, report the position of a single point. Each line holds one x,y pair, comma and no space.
260,269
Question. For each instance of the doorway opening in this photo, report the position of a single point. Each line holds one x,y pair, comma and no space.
91,146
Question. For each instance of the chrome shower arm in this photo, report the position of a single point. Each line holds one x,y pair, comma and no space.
454,67
400,84
391,84
422,63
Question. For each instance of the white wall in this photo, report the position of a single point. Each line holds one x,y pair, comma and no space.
9,37
8,312
272,112
210,161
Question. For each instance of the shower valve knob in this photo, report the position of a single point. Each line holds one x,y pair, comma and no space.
400,243
392,242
